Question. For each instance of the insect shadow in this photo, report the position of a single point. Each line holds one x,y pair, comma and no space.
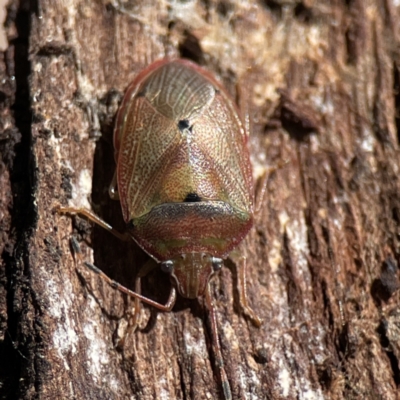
122,260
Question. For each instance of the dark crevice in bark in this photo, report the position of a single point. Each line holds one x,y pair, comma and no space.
224,8
275,7
295,298
349,47
385,343
327,304
182,381
20,375
387,283
338,294
303,13
346,346
355,32
134,383
190,48
380,122
396,93
52,49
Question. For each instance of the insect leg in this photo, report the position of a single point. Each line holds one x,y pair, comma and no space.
138,289
134,320
217,347
163,307
261,186
242,283
149,266
94,218
259,194
75,249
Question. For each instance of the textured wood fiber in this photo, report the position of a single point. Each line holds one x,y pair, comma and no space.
319,82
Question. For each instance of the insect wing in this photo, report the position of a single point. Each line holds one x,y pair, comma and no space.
179,138
220,137
144,155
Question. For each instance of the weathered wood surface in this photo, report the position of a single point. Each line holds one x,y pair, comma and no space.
320,83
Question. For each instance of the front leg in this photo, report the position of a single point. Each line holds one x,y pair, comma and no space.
241,269
94,218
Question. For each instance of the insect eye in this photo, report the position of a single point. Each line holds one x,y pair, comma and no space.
216,263
167,266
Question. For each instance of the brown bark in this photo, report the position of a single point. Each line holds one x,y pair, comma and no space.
320,83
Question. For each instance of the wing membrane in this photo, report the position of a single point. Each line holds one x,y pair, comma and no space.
164,161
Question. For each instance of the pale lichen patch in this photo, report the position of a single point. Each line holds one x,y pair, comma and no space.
65,339
82,189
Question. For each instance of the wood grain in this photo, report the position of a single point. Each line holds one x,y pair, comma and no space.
319,83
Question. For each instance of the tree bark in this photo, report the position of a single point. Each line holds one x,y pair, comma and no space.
319,82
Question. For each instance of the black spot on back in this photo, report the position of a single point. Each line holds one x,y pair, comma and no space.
183,124
192,198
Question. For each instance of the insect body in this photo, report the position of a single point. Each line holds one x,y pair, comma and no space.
183,171
183,177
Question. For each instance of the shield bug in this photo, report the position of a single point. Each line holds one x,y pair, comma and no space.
184,181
